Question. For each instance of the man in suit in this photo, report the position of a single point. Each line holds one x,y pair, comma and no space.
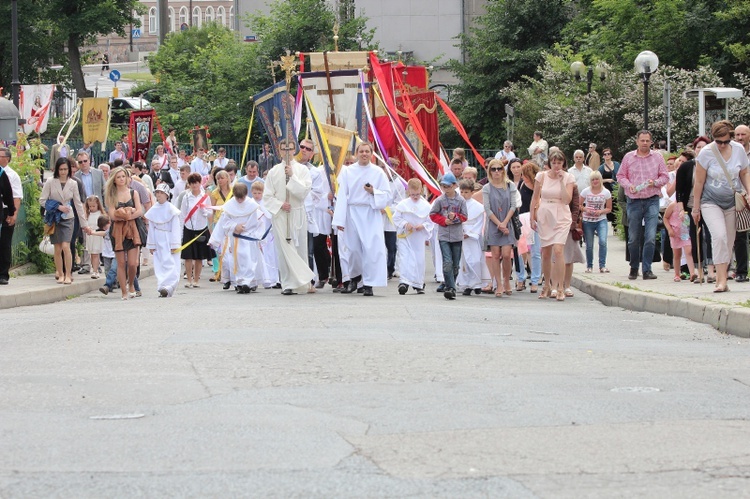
59,150
91,183
160,175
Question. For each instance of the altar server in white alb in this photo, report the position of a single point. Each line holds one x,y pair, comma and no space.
237,233
164,236
286,188
363,191
270,267
414,227
472,255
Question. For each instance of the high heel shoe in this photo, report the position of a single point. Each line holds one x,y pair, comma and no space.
544,293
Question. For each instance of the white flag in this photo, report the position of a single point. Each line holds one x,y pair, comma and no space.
35,101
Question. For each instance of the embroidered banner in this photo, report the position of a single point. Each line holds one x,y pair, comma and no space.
34,101
345,91
276,112
95,119
141,127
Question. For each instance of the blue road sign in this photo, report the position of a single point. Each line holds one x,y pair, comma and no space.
114,75
136,32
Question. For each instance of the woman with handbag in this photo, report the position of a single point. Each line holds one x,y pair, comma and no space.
64,190
127,231
722,185
499,197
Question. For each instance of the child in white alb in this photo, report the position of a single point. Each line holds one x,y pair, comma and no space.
472,254
414,228
164,237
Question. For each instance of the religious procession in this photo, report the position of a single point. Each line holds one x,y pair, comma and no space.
352,189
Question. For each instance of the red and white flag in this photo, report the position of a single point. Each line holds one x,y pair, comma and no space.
35,101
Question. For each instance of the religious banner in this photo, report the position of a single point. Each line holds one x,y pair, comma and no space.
275,106
338,103
141,128
34,102
95,119
422,113
340,143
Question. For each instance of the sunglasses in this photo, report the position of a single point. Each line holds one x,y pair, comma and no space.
496,169
306,148
723,142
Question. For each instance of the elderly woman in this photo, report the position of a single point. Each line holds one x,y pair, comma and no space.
499,195
724,164
551,218
59,195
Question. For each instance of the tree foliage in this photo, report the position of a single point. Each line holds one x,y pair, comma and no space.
206,76
58,30
557,104
506,45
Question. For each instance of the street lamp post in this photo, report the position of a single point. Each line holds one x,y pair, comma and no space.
646,64
577,68
15,84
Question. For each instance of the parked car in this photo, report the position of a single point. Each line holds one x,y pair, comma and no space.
122,107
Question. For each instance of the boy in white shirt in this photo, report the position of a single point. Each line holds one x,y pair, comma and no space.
412,220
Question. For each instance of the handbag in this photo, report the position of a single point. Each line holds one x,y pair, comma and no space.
142,232
46,246
517,226
742,220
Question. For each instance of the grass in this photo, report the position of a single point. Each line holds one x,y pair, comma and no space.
142,76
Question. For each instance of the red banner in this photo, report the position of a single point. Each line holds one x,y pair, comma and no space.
141,128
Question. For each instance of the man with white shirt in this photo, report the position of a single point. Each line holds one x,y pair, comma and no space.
174,171
506,154
182,159
199,165
118,153
8,212
539,149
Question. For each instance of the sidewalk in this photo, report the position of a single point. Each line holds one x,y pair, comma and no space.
39,289
727,312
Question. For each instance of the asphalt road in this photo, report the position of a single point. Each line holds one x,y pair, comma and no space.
213,394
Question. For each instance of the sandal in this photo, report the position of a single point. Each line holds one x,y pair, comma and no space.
603,270
498,293
508,292
677,278
560,295
553,293
68,281
710,280
544,294
721,290
533,288
520,286
569,293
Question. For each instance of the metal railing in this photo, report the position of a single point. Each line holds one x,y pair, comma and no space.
21,237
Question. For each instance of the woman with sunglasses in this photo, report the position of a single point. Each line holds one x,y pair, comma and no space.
499,196
720,171
551,218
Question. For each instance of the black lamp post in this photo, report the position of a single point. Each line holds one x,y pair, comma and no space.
578,68
646,64
15,84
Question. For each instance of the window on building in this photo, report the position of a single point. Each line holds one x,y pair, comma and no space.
171,19
221,16
197,17
183,15
231,17
209,14
152,20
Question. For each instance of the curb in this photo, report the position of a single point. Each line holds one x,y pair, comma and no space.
730,319
57,292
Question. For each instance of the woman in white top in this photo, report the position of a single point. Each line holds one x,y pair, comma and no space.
195,208
721,158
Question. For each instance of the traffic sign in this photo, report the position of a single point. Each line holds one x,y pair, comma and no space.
114,75
184,26
136,33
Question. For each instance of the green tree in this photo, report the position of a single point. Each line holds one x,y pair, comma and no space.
206,76
506,45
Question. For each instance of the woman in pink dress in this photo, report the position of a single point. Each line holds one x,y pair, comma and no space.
551,218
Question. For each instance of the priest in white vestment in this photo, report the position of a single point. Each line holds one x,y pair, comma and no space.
286,188
363,191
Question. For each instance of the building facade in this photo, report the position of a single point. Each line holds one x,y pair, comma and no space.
182,14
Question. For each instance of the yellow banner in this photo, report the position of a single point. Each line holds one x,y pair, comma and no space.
339,143
95,115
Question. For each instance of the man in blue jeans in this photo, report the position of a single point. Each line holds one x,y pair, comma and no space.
642,174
